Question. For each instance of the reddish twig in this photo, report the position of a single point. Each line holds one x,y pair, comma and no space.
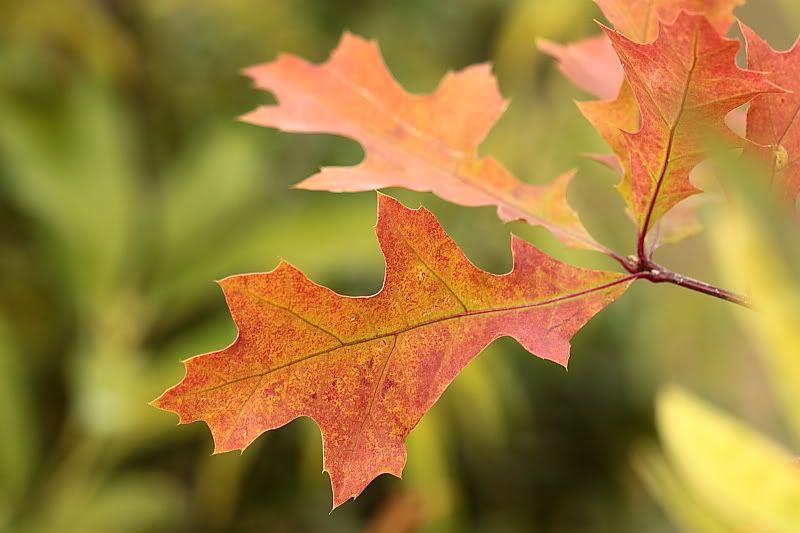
645,268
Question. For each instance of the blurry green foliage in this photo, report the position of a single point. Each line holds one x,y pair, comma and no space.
737,477
723,474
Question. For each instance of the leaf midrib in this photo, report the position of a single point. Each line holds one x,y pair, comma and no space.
671,139
397,332
506,200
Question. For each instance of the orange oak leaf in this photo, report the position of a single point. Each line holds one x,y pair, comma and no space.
639,19
420,142
772,119
685,83
366,369
586,60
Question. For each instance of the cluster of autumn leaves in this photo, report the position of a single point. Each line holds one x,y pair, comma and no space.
658,101
367,369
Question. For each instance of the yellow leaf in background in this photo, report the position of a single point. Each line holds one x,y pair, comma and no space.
743,477
751,258
664,485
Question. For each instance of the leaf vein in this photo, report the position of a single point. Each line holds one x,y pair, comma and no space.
467,314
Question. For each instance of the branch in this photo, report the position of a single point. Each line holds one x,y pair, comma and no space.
656,273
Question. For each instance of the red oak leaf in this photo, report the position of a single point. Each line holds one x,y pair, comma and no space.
685,83
367,369
586,64
420,142
772,119
639,19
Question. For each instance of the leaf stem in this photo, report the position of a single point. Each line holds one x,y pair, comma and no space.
628,263
645,268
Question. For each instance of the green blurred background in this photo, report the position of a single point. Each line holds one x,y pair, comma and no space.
127,187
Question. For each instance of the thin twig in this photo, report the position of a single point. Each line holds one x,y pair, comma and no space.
651,271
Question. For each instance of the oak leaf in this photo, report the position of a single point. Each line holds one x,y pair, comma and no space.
586,60
419,142
639,19
685,82
772,119
366,369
